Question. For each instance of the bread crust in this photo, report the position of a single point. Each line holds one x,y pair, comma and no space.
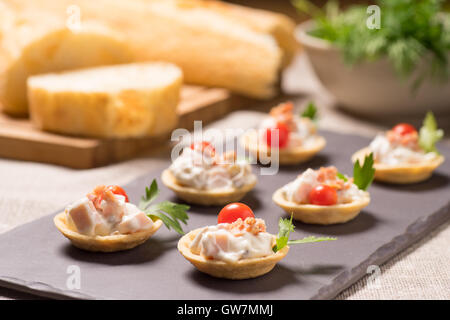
287,156
401,174
110,243
241,269
205,197
324,215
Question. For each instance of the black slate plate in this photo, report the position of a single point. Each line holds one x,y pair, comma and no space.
35,257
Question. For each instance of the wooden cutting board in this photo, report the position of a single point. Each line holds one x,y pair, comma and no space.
20,140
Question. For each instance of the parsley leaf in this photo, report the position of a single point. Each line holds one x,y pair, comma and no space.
342,176
310,111
363,176
429,134
285,227
311,239
170,213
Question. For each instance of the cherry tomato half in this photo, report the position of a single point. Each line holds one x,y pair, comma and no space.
283,135
323,195
404,129
203,146
233,211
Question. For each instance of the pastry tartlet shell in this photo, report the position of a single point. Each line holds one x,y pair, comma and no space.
241,269
324,215
401,174
110,243
287,156
205,197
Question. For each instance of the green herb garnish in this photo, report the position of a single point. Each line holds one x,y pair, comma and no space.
342,176
363,176
285,228
429,134
170,213
412,34
310,111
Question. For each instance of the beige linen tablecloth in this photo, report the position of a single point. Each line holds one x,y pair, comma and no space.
31,190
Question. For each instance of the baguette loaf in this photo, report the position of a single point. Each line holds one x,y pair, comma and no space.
214,43
130,100
39,43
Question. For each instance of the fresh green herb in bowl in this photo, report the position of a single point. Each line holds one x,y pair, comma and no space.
401,67
410,31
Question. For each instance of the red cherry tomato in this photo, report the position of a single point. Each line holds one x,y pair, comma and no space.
203,146
404,129
283,135
234,211
323,195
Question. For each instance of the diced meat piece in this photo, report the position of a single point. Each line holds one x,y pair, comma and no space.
134,223
209,248
222,241
83,215
102,228
304,184
195,245
112,207
218,177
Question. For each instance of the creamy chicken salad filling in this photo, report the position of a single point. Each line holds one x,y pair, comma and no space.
103,213
302,132
300,190
394,149
203,169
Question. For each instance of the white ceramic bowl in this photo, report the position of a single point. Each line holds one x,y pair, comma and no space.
370,88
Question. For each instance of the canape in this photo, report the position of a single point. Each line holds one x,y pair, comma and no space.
293,137
238,247
402,155
326,196
105,221
200,176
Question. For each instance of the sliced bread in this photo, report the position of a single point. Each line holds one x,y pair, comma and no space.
37,42
130,100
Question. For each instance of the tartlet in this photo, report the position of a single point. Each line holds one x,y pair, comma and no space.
110,243
200,176
105,221
297,142
288,156
403,155
205,197
405,173
239,247
324,215
242,269
326,196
